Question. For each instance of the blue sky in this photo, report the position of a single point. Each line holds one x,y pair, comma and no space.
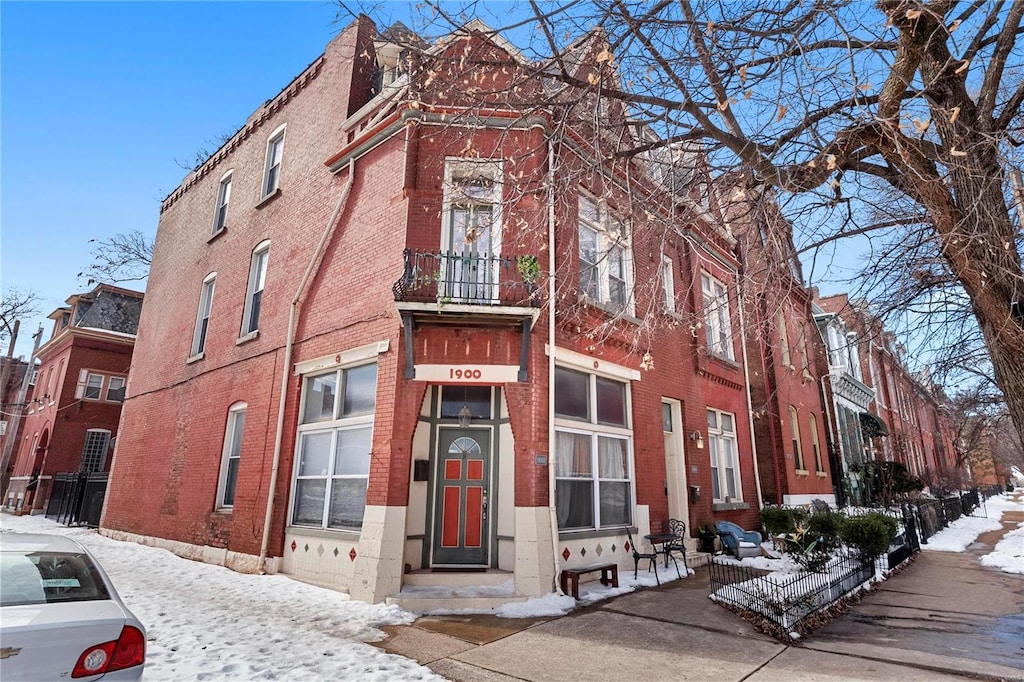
99,102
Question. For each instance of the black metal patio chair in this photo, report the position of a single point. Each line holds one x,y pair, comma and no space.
639,556
677,528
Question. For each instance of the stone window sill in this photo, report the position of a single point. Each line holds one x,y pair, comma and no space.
270,197
587,534
247,338
195,358
803,472
729,506
216,235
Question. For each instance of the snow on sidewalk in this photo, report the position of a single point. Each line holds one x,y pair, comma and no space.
1008,554
209,623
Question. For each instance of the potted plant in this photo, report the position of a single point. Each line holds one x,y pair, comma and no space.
706,535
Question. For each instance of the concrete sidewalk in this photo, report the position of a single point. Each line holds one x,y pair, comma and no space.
945,617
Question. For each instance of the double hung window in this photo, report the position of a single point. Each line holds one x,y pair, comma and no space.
93,386
668,285
223,199
593,451
718,328
203,315
605,259
115,389
818,466
254,293
231,456
794,428
722,449
272,171
333,459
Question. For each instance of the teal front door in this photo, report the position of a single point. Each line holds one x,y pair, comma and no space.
460,497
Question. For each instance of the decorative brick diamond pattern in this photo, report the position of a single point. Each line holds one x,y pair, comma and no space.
599,550
294,546
613,548
352,554
566,554
625,547
306,547
583,552
336,552
320,550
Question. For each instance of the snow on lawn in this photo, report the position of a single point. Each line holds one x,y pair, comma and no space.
965,530
206,622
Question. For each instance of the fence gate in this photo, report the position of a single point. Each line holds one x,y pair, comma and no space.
76,498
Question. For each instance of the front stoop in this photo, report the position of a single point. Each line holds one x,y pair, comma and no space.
427,591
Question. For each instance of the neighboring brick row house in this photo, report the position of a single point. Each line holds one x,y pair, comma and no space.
407,330
882,410
71,415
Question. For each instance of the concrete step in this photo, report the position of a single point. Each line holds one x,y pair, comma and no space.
454,579
421,603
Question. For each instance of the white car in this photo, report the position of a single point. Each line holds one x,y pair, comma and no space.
60,617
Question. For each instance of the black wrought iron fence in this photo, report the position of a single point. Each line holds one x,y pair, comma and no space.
76,498
952,508
467,278
787,599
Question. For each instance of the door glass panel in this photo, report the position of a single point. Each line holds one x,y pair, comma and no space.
464,445
478,398
666,418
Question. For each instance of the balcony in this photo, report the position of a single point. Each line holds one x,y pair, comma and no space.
467,289
451,279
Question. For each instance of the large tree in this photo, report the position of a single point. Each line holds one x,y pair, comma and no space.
829,102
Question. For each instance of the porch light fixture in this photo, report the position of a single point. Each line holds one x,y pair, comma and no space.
465,416
698,438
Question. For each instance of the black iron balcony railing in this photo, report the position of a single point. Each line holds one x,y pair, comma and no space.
475,279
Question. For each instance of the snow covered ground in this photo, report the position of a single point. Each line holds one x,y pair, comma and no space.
1007,555
208,623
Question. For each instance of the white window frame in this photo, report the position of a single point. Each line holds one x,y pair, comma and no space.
258,266
815,443
220,213
794,434
231,454
85,378
203,311
717,322
94,457
484,286
272,165
122,381
610,233
333,427
668,282
723,450
595,430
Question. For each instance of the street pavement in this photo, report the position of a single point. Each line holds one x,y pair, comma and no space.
945,617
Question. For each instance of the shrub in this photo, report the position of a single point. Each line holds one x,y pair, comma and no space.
780,520
825,526
870,534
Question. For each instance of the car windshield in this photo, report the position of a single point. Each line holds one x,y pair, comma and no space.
47,577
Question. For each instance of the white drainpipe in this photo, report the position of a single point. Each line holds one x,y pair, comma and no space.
293,314
551,365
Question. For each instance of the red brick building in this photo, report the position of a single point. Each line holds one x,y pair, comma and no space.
402,321
71,417
787,356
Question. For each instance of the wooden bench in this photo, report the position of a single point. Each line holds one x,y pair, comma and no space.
571,577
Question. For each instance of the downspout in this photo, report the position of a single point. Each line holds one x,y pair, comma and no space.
826,401
750,409
293,315
551,366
